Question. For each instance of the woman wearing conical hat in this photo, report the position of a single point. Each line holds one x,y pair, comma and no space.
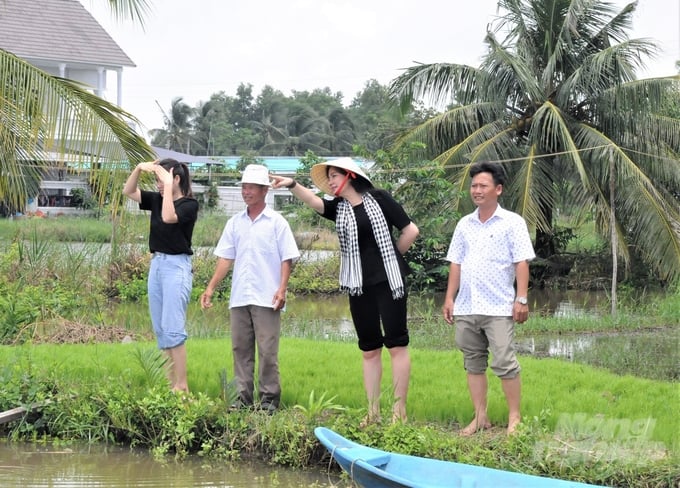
372,269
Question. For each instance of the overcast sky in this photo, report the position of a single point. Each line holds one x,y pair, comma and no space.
194,49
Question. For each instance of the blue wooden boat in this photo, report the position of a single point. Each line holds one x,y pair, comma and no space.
373,468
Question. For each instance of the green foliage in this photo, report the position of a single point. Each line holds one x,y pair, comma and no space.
22,305
284,440
15,314
132,290
247,158
229,389
47,101
128,273
57,229
320,276
156,418
40,281
212,196
82,199
204,263
22,385
153,363
208,230
275,124
317,408
304,169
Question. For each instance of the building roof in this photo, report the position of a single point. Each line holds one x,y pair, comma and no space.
57,31
163,153
276,164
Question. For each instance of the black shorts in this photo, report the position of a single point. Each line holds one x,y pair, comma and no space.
373,306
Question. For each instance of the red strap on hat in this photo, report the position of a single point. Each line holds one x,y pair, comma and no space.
348,175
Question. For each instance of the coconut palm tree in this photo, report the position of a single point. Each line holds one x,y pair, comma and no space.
46,120
340,132
557,103
178,132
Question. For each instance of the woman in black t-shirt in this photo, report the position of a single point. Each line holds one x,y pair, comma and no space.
372,269
174,211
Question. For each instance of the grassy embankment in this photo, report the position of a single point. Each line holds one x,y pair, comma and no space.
580,422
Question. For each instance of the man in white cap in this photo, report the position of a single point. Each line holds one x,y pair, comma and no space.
259,244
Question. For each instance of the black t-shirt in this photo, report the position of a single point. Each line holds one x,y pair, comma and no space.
170,238
372,266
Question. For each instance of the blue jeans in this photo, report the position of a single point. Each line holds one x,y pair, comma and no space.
169,288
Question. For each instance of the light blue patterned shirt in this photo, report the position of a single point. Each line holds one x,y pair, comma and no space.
487,253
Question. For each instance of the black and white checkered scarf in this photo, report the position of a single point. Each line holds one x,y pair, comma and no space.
350,259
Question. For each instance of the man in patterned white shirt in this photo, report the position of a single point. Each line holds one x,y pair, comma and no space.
489,251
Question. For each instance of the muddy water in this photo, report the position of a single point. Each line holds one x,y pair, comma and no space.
36,466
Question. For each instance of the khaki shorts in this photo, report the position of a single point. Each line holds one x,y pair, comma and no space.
479,335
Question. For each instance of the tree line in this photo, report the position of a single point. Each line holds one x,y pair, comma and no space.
275,124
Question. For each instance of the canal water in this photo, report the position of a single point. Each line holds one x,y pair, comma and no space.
28,465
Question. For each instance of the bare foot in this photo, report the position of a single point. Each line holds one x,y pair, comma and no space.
399,419
474,427
513,423
368,420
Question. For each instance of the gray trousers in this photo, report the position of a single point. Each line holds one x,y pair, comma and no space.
253,326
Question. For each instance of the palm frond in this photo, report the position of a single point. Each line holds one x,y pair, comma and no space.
528,193
439,84
49,121
153,364
135,10
646,216
512,76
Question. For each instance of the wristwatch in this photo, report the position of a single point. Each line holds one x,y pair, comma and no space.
521,300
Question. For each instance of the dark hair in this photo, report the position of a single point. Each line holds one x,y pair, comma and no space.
494,169
181,170
360,184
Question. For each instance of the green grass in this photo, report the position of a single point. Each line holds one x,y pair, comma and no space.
131,227
586,238
135,228
438,391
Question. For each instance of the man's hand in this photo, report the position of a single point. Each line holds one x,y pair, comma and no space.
447,311
279,301
206,299
520,313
